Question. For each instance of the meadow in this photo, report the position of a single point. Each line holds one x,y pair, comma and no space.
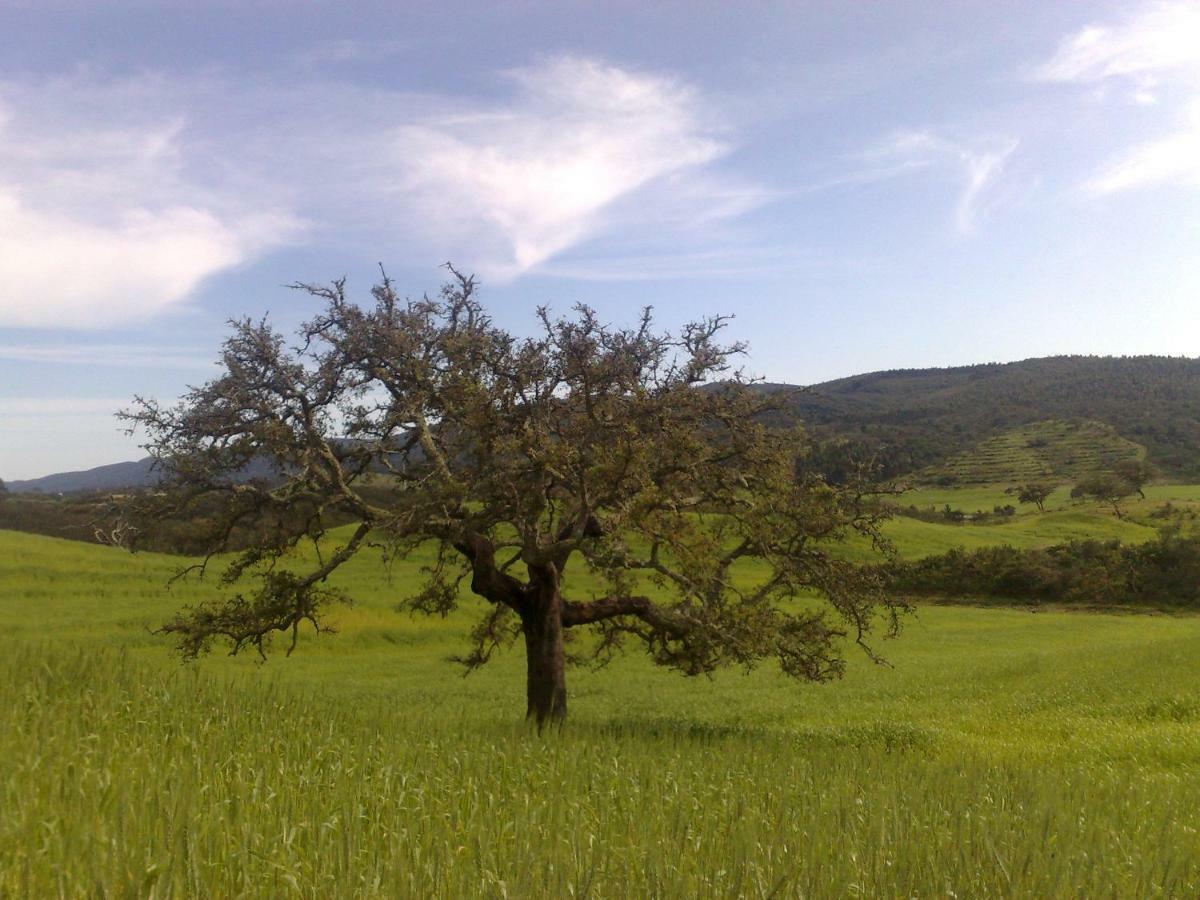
1001,753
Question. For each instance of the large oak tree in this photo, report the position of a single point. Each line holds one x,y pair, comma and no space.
639,456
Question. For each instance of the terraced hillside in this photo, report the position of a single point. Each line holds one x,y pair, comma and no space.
1056,449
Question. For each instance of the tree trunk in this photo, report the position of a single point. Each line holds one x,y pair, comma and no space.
546,684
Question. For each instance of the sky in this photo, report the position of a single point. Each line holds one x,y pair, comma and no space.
864,186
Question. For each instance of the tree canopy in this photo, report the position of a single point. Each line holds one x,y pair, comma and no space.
1135,473
1035,492
1106,487
638,456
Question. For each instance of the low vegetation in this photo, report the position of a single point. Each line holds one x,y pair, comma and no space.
1163,573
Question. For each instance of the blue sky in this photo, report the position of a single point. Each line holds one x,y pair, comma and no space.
865,186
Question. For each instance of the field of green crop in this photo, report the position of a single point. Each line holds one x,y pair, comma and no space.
1003,753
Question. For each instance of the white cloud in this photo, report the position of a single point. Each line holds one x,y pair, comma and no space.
119,198
977,165
1173,159
982,168
537,176
63,271
99,224
1154,53
1157,38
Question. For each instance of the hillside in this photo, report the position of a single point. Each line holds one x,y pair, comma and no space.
1054,450
916,418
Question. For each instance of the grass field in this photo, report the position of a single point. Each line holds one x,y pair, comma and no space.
1004,753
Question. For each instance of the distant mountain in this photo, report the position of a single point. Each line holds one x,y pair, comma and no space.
914,419
117,476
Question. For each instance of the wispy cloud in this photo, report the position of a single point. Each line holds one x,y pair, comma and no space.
1171,159
731,262
536,175
121,356
982,168
24,407
1153,54
119,198
100,224
63,271
976,164
1154,39
347,50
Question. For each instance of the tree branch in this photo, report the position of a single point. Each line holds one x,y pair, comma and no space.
576,613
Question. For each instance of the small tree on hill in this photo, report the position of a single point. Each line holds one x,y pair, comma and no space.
1136,473
586,448
1105,488
1035,492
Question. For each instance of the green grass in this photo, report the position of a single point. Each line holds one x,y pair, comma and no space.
1004,753
915,538
1064,520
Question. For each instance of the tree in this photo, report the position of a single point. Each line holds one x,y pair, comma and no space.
842,460
1135,473
3,488
1035,492
1105,488
637,455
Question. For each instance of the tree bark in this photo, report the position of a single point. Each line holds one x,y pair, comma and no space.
546,684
